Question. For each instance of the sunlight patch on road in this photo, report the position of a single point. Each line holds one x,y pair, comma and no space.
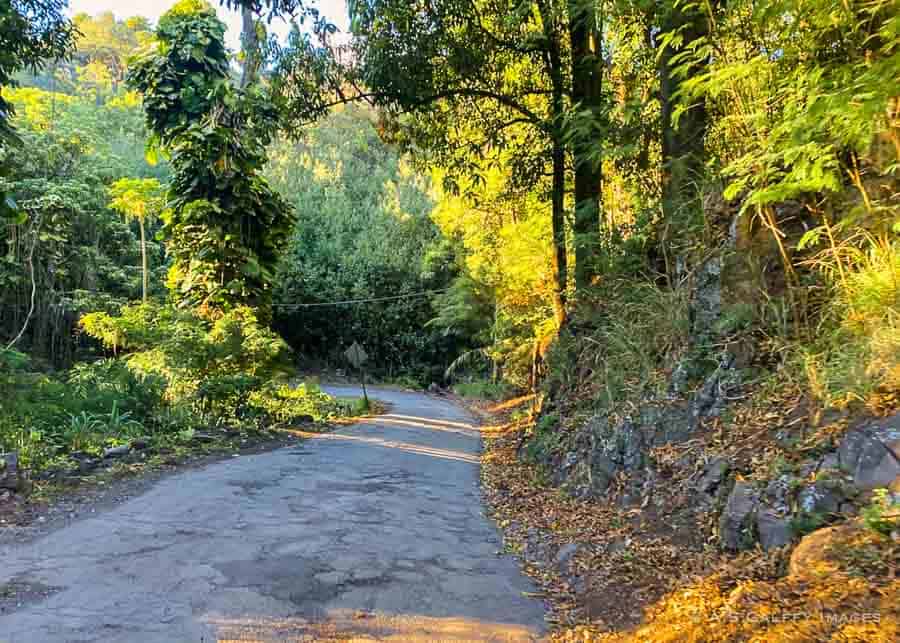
447,423
445,454
358,626
424,423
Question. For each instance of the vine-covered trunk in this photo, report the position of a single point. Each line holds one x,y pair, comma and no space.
250,46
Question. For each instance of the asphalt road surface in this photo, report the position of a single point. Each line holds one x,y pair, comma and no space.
374,532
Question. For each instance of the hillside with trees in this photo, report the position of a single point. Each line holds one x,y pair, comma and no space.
654,243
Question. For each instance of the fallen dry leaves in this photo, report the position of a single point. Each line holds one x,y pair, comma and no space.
652,573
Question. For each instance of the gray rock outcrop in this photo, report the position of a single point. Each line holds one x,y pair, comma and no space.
871,454
736,524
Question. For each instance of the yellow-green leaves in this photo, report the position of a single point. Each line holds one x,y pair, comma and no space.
137,198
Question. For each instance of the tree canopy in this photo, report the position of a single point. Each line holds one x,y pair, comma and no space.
32,32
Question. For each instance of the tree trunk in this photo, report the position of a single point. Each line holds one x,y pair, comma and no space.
560,256
250,45
683,149
145,281
558,160
587,99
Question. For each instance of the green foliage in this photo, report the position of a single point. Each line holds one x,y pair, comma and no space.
882,514
96,68
31,33
176,370
225,227
547,422
80,161
213,364
502,302
800,114
634,333
470,78
735,318
857,349
462,199
482,389
545,440
45,417
84,255
138,199
285,404
465,310
364,232
82,432
806,523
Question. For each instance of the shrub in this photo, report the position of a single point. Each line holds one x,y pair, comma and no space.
857,350
96,405
109,382
174,369
883,514
213,363
285,403
483,389
629,335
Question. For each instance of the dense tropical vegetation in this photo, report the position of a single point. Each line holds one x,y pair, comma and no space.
618,205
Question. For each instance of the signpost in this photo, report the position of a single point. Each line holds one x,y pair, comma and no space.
357,356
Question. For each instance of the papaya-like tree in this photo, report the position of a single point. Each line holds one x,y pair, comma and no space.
225,226
139,200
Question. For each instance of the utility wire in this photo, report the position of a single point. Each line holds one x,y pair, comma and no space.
412,295
362,301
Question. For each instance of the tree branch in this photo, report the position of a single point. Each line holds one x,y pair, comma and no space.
531,117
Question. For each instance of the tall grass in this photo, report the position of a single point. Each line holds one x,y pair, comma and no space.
857,349
637,332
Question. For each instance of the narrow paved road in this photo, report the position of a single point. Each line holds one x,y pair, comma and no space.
374,532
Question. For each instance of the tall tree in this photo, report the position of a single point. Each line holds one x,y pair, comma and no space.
585,26
498,64
553,58
536,65
250,45
684,24
225,225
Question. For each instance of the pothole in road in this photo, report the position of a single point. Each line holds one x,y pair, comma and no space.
251,487
404,476
306,582
362,487
22,590
286,578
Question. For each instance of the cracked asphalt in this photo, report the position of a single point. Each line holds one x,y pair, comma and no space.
374,532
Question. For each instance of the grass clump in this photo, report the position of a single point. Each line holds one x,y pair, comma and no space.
286,404
483,389
630,336
856,353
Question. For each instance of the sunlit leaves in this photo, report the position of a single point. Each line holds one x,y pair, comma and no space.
32,32
823,86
